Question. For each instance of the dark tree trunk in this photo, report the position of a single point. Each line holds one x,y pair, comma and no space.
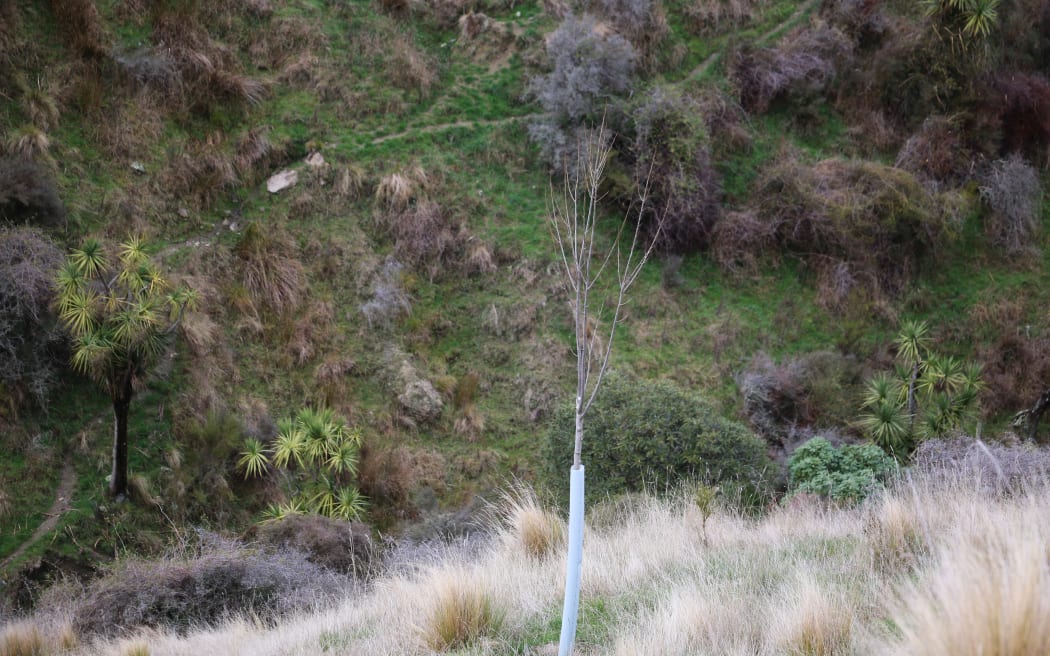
1036,413
118,482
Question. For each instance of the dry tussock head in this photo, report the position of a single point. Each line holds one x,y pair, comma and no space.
479,258
988,591
397,189
314,327
201,169
470,423
350,181
412,69
29,142
895,533
270,272
134,127
199,331
812,621
40,106
458,611
22,639
136,648
288,39
254,153
524,526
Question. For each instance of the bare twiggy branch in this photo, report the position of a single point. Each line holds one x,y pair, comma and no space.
573,218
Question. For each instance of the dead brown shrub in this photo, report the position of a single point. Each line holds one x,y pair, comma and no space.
712,16
876,219
798,70
937,152
1016,371
81,27
1021,103
345,547
642,22
387,475
739,240
217,579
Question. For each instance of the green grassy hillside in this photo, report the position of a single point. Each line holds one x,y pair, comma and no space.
831,165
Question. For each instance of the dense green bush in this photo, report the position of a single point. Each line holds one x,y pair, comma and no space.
651,434
846,474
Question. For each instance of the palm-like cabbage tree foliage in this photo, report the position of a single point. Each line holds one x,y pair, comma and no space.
321,452
928,394
119,315
964,23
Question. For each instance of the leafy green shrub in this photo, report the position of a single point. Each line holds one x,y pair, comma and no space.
846,474
653,433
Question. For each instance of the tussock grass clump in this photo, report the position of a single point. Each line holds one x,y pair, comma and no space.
270,272
201,169
987,592
23,639
397,189
458,611
137,649
524,525
29,142
812,621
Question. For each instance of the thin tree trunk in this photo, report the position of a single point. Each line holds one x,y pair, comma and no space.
118,482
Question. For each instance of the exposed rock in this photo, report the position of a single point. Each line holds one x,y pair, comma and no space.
315,160
421,401
282,180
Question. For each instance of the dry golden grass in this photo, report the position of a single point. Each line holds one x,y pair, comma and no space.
812,622
526,526
987,592
29,142
23,639
973,577
397,189
459,611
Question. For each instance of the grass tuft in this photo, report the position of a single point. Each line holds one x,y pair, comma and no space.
22,639
460,611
